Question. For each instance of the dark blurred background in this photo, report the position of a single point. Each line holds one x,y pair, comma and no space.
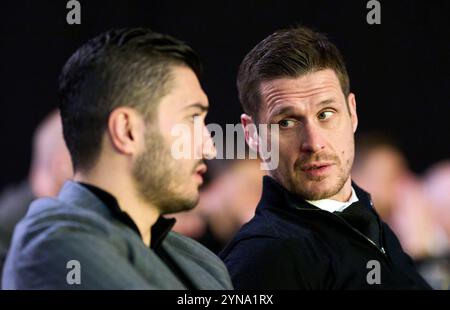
399,70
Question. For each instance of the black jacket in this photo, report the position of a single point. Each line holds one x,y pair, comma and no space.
291,244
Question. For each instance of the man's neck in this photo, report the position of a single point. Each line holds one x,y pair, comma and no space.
121,187
345,193
331,205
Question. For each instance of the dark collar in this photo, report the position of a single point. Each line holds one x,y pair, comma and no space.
273,192
159,230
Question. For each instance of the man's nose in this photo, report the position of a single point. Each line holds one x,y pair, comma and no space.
208,148
312,139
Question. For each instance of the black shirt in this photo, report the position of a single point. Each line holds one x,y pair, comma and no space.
159,230
364,220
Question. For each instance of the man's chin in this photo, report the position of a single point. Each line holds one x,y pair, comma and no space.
317,190
180,204
314,195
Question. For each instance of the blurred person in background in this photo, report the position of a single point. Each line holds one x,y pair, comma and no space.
381,169
50,167
416,209
226,203
436,184
230,201
436,188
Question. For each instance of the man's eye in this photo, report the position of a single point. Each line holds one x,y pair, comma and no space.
286,123
325,115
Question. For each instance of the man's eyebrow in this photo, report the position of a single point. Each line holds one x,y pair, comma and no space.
327,101
198,105
283,110
291,109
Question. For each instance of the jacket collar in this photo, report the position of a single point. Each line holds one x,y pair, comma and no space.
99,201
76,194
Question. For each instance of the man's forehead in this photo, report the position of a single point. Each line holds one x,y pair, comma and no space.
319,86
304,84
182,105
202,106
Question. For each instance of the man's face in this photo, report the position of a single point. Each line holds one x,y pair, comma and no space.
316,128
169,183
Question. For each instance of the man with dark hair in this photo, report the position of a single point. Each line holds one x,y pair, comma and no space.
313,227
121,94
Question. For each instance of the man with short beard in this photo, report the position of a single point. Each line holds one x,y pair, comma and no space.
121,94
313,228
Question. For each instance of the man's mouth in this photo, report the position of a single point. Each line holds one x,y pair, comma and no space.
317,169
315,166
199,172
201,169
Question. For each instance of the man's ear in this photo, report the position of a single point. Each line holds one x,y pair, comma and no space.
126,130
250,131
352,109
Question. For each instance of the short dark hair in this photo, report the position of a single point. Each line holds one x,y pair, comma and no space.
287,53
124,67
